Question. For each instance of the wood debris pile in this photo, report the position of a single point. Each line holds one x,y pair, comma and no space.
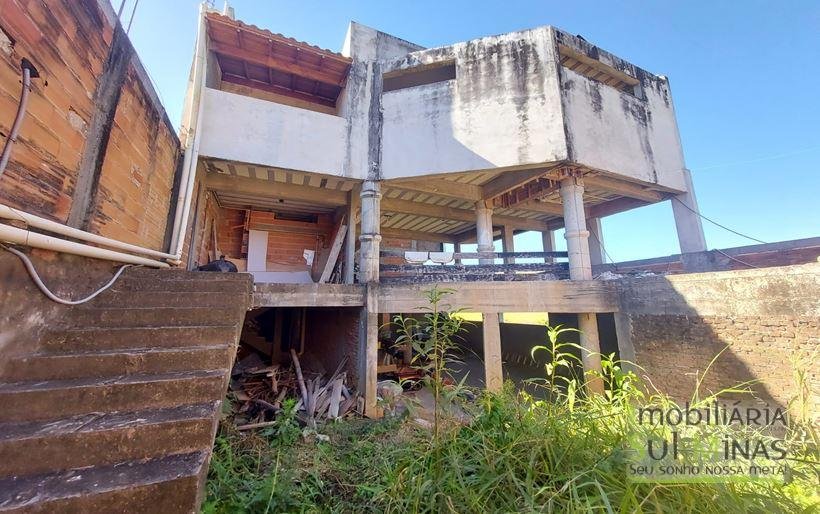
261,392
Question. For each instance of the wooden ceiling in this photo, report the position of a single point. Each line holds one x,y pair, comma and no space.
257,58
438,208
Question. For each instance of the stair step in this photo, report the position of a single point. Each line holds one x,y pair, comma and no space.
158,316
56,399
181,274
167,484
183,285
98,439
113,363
145,299
124,337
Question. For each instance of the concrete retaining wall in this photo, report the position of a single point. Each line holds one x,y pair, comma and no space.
768,318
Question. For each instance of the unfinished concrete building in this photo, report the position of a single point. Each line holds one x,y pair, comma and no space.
341,185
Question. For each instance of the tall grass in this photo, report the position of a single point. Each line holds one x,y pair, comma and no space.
567,453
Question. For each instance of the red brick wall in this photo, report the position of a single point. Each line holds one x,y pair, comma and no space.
288,240
760,319
69,43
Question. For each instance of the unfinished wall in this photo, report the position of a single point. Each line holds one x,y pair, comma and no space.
767,317
96,147
445,126
245,129
634,135
331,335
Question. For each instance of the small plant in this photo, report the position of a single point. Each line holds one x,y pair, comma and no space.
433,339
286,430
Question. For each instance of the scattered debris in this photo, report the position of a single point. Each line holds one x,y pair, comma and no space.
262,391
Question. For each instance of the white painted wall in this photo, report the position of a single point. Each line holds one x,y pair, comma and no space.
245,129
503,109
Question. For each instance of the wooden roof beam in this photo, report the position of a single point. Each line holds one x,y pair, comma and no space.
440,187
623,188
278,64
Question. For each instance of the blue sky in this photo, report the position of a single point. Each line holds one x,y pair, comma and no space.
745,80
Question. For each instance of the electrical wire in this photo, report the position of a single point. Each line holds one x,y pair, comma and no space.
735,259
724,227
45,290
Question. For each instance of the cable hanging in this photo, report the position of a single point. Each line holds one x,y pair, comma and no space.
724,227
46,291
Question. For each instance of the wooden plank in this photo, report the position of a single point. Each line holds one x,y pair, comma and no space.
335,249
564,296
267,188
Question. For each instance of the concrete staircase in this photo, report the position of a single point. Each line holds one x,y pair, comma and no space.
115,408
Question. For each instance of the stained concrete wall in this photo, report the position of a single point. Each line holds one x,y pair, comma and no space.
634,135
240,128
502,109
677,324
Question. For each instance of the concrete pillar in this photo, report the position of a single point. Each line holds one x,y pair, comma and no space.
596,241
687,221
575,228
580,268
590,342
370,237
353,203
493,373
548,243
484,230
508,245
369,350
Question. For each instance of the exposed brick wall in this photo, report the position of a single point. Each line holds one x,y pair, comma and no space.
677,325
69,42
136,183
289,239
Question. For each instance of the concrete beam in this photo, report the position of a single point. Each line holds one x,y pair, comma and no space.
271,189
308,295
439,187
508,180
560,296
623,188
450,213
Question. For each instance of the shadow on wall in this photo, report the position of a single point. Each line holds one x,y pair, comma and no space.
672,327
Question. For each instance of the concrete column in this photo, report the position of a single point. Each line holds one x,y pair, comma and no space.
369,351
508,245
493,373
370,237
484,230
596,246
590,342
353,203
687,222
575,227
580,268
548,243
